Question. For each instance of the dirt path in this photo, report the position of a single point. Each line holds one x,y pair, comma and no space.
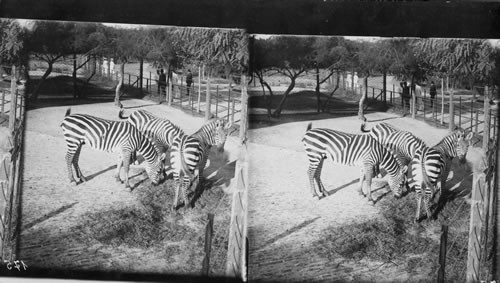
286,225
53,211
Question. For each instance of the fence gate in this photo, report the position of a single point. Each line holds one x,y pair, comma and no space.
11,148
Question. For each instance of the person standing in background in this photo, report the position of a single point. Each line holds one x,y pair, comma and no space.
432,93
189,80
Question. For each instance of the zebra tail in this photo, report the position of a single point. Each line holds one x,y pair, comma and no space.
424,173
68,112
184,166
309,126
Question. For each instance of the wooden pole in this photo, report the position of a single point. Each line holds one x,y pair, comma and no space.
487,119
460,111
477,122
217,102
452,114
244,110
442,253
208,101
209,230
471,115
478,200
13,99
3,101
442,101
199,88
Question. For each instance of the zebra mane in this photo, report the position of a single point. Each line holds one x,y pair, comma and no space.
309,126
68,112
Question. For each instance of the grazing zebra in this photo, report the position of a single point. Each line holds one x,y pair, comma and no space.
402,143
110,136
431,166
161,131
191,152
351,150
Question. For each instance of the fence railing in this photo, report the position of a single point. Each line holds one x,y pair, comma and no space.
10,174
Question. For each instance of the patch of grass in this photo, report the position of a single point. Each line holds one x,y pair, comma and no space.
129,226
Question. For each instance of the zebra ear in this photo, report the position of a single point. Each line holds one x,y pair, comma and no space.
228,125
405,169
469,136
163,156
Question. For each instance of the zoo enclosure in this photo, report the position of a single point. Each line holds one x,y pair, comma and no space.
224,95
10,173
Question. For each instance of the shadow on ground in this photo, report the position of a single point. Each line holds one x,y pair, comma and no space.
303,106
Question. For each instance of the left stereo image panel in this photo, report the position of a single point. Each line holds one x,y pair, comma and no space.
119,147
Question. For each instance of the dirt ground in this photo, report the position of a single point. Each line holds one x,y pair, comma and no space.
287,226
60,222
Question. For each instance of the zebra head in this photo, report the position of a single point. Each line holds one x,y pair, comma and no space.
462,143
399,181
221,131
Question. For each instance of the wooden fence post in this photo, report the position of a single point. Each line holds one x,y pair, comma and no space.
442,253
487,118
199,88
209,230
237,248
208,101
3,101
13,99
413,105
442,101
478,200
451,125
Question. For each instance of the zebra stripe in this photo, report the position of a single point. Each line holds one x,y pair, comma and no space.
111,136
430,167
350,150
161,131
191,152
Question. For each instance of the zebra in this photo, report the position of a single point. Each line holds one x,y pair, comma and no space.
351,150
189,154
161,131
111,136
430,167
402,144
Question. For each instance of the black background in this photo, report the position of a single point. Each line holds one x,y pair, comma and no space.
313,17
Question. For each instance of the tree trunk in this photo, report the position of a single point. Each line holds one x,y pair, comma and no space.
119,86
277,111
325,105
45,75
361,114
141,73
268,98
317,89
81,92
384,87
75,88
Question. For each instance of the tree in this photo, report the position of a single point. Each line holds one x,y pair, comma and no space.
12,45
50,42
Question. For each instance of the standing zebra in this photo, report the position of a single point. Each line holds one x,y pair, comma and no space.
190,153
351,150
430,167
402,143
110,136
161,131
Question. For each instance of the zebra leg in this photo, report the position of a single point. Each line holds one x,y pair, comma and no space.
126,167
185,183
427,198
69,163
177,189
118,168
361,182
368,176
79,174
418,197
317,177
311,172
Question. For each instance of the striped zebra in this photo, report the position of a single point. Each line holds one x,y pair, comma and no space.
161,131
430,167
351,150
402,144
189,154
111,136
